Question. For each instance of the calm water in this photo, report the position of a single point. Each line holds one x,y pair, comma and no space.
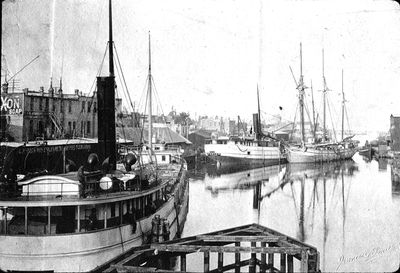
350,211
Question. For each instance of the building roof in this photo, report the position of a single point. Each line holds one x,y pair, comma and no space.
203,133
53,142
161,133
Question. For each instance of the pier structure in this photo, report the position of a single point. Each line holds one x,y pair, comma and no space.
249,248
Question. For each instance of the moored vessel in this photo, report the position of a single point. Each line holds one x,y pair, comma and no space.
256,150
77,221
322,150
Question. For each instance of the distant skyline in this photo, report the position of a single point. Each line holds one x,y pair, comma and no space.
209,56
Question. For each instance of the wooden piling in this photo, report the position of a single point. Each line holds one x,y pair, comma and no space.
271,260
220,261
206,261
237,259
289,263
183,262
252,264
263,259
304,261
283,262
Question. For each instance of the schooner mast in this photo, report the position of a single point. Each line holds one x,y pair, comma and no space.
324,97
314,124
343,105
301,88
150,103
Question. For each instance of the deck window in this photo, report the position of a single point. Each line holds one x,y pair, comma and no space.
91,217
3,221
37,221
12,220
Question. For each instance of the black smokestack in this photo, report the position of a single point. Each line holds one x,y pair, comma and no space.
106,119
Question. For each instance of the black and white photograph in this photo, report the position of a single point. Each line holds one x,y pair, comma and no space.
200,136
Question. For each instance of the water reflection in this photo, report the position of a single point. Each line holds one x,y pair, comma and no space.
317,176
382,163
342,208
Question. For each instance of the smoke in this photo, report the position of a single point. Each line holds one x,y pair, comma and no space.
52,24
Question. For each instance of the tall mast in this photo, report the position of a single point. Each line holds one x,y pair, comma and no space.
258,104
324,95
313,113
110,43
150,102
301,97
343,102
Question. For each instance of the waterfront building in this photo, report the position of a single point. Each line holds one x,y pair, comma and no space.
29,114
199,138
395,133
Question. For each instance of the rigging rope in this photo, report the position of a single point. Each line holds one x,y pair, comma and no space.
333,128
308,115
347,118
294,122
91,101
123,78
162,110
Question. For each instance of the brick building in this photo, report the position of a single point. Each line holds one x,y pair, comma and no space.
29,115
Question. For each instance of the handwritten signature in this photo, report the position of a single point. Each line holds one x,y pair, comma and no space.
370,255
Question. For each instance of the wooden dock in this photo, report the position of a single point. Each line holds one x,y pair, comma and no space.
249,248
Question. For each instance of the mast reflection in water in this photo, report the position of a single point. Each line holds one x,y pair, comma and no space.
349,210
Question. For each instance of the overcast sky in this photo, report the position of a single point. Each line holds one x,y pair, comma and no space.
208,56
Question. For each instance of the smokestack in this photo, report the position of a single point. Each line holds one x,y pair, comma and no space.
106,119
51,89
256,126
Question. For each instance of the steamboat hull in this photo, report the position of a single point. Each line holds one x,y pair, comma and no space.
242,155
83,252
242,162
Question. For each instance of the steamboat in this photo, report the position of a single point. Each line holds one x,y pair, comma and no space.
77,221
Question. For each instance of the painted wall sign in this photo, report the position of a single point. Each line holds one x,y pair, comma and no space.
11,105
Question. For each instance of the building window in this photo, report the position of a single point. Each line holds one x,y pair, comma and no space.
94,107
88,127
61,106
40,128
69,127
69,106
54,105
32,102
40,104
163,157
89,106
30,128
73,127
83,106
47,105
